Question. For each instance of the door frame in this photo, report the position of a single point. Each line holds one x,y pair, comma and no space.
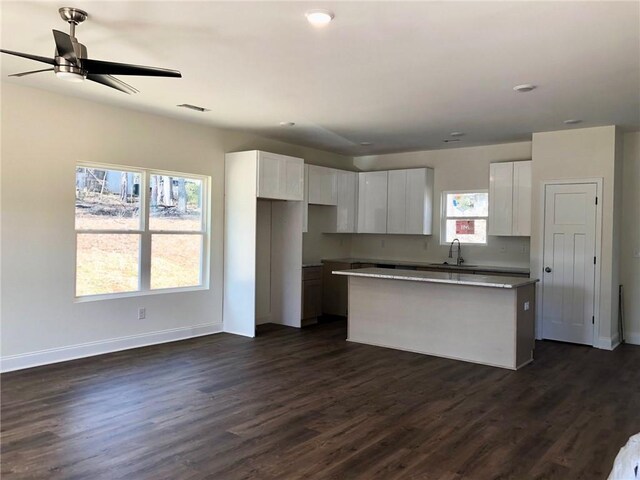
598,181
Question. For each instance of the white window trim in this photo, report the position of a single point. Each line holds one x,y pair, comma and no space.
444,218
144,262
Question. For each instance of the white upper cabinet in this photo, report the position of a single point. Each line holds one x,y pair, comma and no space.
323,185
522,199
410,201
372,202
510,199
280,177
305,206
347,202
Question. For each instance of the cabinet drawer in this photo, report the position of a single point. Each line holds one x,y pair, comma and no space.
312,273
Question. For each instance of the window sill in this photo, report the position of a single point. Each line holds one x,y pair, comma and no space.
115,296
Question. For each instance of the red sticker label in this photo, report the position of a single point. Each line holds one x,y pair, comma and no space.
465,227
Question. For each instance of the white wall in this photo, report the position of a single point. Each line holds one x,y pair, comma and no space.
455,169
630,265
44,135
575,154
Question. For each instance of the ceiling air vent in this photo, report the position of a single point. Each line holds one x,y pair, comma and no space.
194,107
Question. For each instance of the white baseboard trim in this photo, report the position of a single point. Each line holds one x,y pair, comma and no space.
63,354
608,343
632,337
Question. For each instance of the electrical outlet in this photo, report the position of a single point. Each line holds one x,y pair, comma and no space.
503,249
382,243
426,245
524,249
142,313
526,306
636,252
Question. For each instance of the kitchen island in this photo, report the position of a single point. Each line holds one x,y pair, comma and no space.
475,318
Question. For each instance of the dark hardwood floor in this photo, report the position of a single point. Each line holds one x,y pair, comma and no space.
306,404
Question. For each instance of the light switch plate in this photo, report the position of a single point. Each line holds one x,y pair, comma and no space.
636,252
526,306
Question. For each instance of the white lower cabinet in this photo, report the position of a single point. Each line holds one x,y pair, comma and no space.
372,202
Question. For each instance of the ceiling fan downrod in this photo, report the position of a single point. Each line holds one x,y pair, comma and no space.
73,16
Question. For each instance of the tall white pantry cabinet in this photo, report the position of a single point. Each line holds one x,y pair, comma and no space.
265,289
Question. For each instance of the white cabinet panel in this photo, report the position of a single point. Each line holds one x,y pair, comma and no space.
410,201
280,177
372,202
323,185
305,205
397,201
522,198
347,201
510,199
500,198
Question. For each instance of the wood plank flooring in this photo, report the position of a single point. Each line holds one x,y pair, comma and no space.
294,404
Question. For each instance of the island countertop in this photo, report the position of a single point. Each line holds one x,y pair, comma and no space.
439,277
434,266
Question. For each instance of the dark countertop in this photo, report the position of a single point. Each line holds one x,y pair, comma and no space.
439,266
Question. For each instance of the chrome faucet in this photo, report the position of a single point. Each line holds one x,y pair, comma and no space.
459,260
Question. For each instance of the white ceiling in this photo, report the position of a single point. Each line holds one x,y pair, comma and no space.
401,75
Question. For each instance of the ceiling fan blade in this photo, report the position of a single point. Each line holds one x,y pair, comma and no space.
64,46
33,71
37,58
112,82
111,68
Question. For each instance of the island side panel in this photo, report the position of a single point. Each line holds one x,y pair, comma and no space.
525,331
475,324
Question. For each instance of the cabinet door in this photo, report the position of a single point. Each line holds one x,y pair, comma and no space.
311,298
305,206
500,198
269,167
292,178
372,202
347,201
419,197
522,198
397,202
323,186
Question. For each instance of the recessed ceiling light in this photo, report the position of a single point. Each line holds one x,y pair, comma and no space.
287,124
319,17
449,140
366,144
572,121
456,134
524,88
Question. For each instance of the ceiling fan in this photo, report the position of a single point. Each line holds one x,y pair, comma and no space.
71,62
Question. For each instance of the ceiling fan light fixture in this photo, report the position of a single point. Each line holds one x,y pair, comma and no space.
524,88
319,17
70,76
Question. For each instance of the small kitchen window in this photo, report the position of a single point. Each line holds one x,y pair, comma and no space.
464,216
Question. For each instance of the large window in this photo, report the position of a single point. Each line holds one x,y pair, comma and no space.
139,230
464,216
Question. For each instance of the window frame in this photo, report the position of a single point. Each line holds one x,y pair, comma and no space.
146,234
444,217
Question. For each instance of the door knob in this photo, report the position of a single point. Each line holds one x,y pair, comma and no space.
548,270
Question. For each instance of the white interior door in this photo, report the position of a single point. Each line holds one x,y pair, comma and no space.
568,262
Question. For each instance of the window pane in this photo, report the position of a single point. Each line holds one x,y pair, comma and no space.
467,204
175,260
107,199
467,231
175,203
107,263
